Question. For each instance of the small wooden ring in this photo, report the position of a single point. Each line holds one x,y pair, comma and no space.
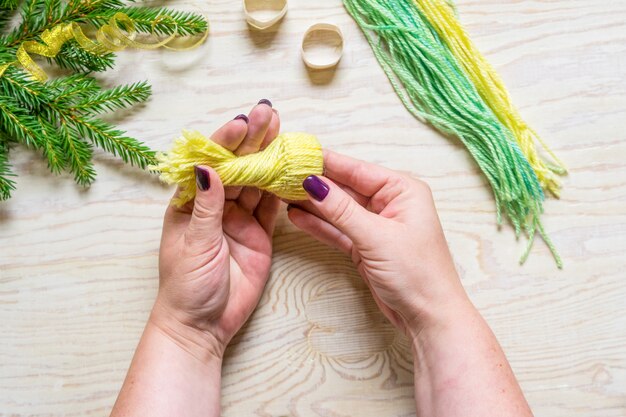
264,22
329,34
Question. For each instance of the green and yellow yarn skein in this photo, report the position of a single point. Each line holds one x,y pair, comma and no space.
280,168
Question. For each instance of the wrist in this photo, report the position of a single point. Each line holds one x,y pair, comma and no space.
435,320
199,343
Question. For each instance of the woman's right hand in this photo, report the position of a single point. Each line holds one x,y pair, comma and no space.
387,222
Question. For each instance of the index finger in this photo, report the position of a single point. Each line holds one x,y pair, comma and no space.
363,177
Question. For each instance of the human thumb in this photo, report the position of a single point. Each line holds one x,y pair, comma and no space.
339,209
205,227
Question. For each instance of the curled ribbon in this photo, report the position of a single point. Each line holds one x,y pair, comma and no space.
110,38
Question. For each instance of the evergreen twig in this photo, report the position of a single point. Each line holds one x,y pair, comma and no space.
9,4
6,182
116,98
74,58
60,117
183,23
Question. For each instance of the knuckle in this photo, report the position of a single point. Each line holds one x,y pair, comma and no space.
417,185
203,211
344,212
423,188
402,182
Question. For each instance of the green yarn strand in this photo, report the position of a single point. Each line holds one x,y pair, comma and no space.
433,86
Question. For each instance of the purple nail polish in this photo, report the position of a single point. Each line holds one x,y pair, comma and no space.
265,101
203,179
242,117
315,187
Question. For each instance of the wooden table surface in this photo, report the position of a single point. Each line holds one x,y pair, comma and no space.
78,268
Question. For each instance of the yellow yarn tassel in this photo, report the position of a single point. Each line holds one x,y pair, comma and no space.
489,85
280,168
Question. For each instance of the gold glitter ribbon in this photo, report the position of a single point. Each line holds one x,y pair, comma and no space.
110,38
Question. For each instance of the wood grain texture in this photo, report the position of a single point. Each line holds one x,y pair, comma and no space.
78,269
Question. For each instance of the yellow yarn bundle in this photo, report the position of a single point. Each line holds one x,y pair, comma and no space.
280,168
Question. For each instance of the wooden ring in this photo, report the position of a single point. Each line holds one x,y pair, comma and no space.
322,46
262,14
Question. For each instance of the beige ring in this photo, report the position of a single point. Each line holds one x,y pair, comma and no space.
326,35
261,14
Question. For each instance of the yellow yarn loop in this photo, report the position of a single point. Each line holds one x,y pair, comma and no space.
119,33
280,168
442,16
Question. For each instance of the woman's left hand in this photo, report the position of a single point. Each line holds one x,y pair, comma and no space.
216,251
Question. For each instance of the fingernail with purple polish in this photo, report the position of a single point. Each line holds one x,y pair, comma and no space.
265,101
242,117
315,187
202,178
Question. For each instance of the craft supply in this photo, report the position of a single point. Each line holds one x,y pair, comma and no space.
490,86
263,14
280,168
434,88
322,46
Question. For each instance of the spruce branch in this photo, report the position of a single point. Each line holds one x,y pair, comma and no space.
98,12
116,98
19,123
53,9
64,110
181,22
6,13
72,57
51,146
9,4
67,90
79,155
6,182
33,17
114,141
35,21
6,54
59,118
17,84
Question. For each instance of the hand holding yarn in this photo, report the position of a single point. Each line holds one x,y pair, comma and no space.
280,168
216,251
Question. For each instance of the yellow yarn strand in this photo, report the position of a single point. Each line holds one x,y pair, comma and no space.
280,168
442,16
